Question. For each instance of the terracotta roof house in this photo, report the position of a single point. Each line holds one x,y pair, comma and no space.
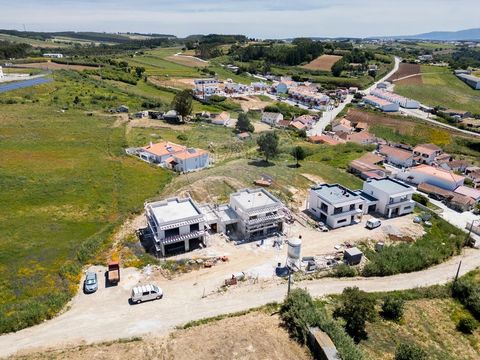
426,153
308,120
461,202
221,119
362,138
243,136
360,126
470,192
283,123
396,156
298,125
271,118
369,166
174,156
343,125
433,176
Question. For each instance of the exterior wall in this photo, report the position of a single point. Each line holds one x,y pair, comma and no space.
349,211
387,203
401,162
281,88
194,163
390,107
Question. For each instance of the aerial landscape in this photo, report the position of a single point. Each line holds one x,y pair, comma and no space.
239,180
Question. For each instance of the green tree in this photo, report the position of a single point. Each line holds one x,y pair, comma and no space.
467,325
393,308
355,308
337,68
139,71
268,144
298,154
243,123
182,103
410,352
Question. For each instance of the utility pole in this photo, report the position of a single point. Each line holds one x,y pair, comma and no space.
289,280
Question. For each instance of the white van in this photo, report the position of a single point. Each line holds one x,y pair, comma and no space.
373,223
146,293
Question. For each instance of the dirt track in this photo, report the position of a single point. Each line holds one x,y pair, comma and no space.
323,63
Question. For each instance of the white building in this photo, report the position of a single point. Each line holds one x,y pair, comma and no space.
384,105
470,80
206,87
221,119
175,157
426,153
335,205
176,225
394,98
1,73
431,175
394,197
53,56
271,118
259,212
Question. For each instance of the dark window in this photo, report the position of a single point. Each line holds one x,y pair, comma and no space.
323,207
194,227
172,232
145,293
352,207
341,221
337,210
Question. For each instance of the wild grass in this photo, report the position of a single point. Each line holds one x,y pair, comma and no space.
66,183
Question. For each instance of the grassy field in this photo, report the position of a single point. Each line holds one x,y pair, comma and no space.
33,42
441,88
66,184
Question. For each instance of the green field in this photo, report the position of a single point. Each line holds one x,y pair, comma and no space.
66,183
441,88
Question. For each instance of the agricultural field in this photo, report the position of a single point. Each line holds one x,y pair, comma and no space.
323,63
33,42
408,74
190,61
440,87
66,183
50,65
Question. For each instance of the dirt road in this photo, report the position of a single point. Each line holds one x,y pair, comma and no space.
107,315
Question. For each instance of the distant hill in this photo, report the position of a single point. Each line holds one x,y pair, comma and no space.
462,35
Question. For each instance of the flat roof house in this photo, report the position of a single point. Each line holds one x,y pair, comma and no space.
206,87
335,205
396,156
431,175
394,197
259,212
176,224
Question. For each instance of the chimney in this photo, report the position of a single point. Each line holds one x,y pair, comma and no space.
151,144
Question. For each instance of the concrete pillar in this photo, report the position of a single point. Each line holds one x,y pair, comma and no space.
162,249
187,245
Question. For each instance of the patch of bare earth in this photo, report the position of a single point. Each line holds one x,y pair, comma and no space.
251,103
323,63
190,61
177,83
252,336
405,73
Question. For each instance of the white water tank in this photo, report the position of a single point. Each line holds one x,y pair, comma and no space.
294,248
1,72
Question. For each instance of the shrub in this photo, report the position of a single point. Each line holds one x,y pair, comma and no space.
468,293
298,313
392,308
410,352
343,270
467,325
419,198
355,308
182,137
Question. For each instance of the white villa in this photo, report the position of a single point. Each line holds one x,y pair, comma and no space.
271,118
206,87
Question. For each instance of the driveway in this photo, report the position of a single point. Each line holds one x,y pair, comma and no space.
107,315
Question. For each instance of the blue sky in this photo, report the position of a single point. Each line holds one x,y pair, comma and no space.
256,18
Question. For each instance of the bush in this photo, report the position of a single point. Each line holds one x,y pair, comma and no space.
468,293
419,198
392,308
355,308
298,313
467,325
182,137
410,352
343,270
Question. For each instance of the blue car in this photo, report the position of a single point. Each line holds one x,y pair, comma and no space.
90,285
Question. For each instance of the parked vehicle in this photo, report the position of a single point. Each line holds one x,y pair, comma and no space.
373,223
90,285
113,274
146,293
417,219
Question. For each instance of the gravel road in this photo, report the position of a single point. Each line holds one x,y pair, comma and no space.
107,315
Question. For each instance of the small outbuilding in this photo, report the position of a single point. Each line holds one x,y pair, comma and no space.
352,256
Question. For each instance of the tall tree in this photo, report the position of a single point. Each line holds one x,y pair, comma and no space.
243,123
182,103
298,154
268,144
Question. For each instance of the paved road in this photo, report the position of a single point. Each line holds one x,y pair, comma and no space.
329,116
106,315
24,84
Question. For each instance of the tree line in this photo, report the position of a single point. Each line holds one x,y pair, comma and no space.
12,50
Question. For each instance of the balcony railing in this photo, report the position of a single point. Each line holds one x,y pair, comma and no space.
178,238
